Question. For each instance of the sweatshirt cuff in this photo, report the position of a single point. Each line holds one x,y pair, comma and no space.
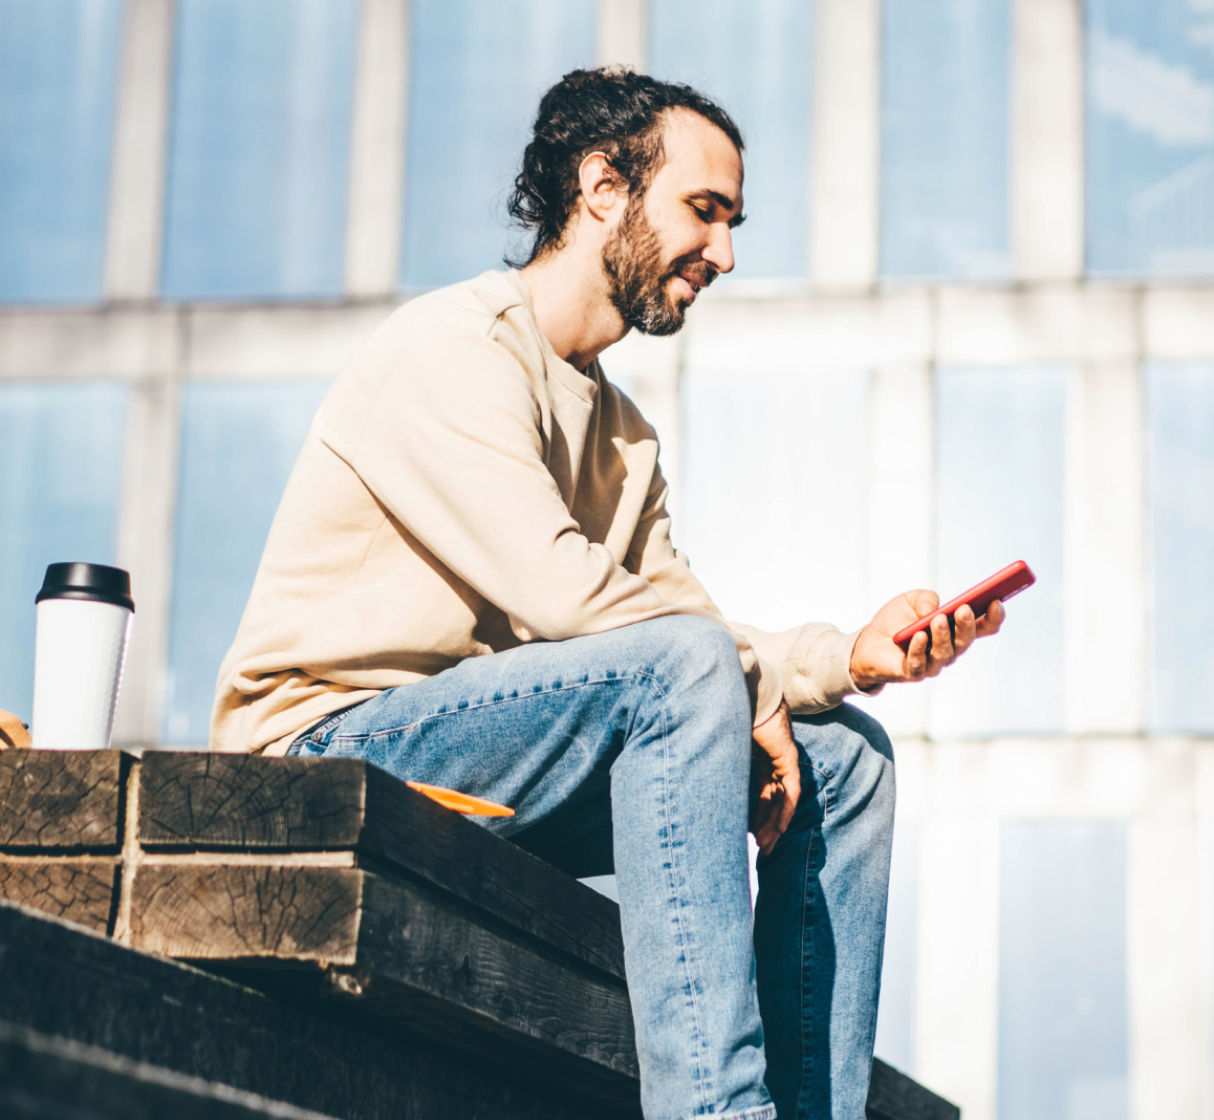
820,669
767,690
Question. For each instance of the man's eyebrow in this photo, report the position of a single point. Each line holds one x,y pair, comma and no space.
723,201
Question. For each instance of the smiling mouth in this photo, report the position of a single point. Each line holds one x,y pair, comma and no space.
696,282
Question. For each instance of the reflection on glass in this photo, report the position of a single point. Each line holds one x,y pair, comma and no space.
58,63
259,151
754,59
896,1015
1062,967
60,484
761,449
239,443
999,498
478,70
1150,137
944,138
1180,407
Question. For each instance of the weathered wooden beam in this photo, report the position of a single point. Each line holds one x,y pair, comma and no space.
894,1096
417,953
60,800
78,890
311,1052
43,1077
199,800
200,911
211,802
414,957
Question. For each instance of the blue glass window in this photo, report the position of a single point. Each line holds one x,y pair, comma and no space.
239,443
60,486
755,60
896,1016
58,64
1150,137
944,138
259,154
1062,971
750,426
999,497
1180,407
479,68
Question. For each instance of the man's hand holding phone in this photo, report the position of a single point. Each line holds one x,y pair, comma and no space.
877,659
913,637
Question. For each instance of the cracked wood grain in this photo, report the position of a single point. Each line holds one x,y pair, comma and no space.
60,800
245,911
219,801
237,802
80,891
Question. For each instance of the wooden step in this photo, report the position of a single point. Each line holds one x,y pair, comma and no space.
330,882
43,1077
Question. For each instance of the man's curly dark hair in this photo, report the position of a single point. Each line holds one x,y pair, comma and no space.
610,110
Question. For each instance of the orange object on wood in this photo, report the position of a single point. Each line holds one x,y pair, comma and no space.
12,731
461,802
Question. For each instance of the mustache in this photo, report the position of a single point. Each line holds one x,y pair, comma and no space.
700,271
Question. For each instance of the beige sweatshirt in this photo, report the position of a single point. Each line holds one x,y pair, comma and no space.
461,491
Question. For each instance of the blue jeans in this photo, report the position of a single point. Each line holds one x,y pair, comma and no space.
629,751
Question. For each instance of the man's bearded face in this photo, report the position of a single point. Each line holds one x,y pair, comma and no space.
639,279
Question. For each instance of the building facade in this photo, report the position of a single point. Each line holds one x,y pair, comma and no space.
972,322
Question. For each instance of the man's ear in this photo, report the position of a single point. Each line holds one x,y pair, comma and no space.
602,189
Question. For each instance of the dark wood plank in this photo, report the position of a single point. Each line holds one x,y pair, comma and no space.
428,965
458,855
59,980
60,800
234,802
78,890
201,800
416,957
894,1096
47,1078
245,911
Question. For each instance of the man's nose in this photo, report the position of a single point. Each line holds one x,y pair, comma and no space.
719,250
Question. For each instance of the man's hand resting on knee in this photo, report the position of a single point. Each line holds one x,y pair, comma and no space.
875,660
775,755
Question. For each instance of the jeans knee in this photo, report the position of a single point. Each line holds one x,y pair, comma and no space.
857,754
695,652
870,734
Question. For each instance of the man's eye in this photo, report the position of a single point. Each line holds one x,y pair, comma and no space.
703,215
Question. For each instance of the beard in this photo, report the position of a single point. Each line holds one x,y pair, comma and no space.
638,279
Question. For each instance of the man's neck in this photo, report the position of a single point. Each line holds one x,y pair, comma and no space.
572,307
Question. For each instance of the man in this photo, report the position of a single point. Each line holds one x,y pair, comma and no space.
471,582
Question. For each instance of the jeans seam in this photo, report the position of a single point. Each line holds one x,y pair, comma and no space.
801,1001
689,971
384,731
759,1112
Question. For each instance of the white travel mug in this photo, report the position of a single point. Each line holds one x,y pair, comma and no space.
84,623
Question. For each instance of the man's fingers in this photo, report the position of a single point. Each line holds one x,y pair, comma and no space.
942,646
990,622
923,602
964,630
916,657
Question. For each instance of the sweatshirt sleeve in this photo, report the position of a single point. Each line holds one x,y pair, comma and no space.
808,666
453,448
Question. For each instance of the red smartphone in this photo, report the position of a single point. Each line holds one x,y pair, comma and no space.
1002,586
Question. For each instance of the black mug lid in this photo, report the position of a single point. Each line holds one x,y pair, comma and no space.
93,582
